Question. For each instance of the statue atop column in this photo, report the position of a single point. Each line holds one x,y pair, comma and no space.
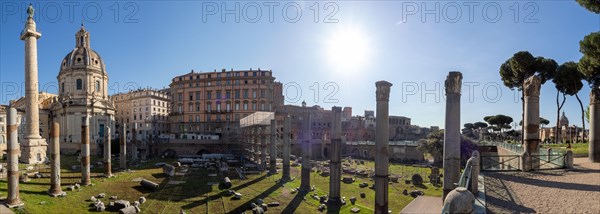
30,11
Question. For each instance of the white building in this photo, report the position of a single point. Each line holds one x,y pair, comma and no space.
83,90
147,109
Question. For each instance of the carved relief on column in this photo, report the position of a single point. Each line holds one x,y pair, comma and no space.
383,90
532,86
595,96
453,82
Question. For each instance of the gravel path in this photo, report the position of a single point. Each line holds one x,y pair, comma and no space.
547,191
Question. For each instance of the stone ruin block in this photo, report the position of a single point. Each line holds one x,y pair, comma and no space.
169,170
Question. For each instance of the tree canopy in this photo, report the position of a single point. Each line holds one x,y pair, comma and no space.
591,5
543,121
479,125
589,64
568,79
499,121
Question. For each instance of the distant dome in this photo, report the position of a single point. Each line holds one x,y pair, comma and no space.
564,120
82,56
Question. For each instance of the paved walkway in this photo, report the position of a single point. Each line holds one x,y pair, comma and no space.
424,204
547,191
5,210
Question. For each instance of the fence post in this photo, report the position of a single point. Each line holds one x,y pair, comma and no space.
569,159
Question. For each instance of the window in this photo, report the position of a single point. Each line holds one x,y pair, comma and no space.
262,93
237,94
245,74
228,107
218,107
254,106
218,94
245,106
97,86
254,74
180,97
197,118
245,93
208,95
208,107
190,107
262,107
237,106
79,84
197,106
191,95
197,95
254,94
228,95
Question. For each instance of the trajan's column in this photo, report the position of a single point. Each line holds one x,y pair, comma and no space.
33,145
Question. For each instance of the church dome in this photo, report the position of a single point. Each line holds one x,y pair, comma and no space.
82,56
564,121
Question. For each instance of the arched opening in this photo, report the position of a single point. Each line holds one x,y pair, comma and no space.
355,153
169,153
202,151
326,152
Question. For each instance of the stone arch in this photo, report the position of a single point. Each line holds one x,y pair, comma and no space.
355,153
202,151
169,153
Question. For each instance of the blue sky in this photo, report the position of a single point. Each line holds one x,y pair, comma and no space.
145,44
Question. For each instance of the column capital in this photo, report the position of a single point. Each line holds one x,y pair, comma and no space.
30,30
453,82
531,86
383,90
595,95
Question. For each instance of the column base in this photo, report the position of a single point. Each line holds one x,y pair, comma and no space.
55,193
13,205
33,151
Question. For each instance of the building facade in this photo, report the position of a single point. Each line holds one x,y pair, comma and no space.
83,90
147,109
214,102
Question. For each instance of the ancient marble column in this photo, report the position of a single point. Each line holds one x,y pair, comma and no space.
263,148
452,132
381,146
306,150
256,144
55,189
134,149
531,123
85,150
287,123
335,168
273,148
107,153
34,146
12,200
594,146
123,149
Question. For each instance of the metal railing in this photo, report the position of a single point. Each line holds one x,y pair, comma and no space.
466,179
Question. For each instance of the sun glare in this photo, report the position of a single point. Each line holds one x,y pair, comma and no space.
348,49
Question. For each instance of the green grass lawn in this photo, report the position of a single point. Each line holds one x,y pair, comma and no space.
194,196
579,149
